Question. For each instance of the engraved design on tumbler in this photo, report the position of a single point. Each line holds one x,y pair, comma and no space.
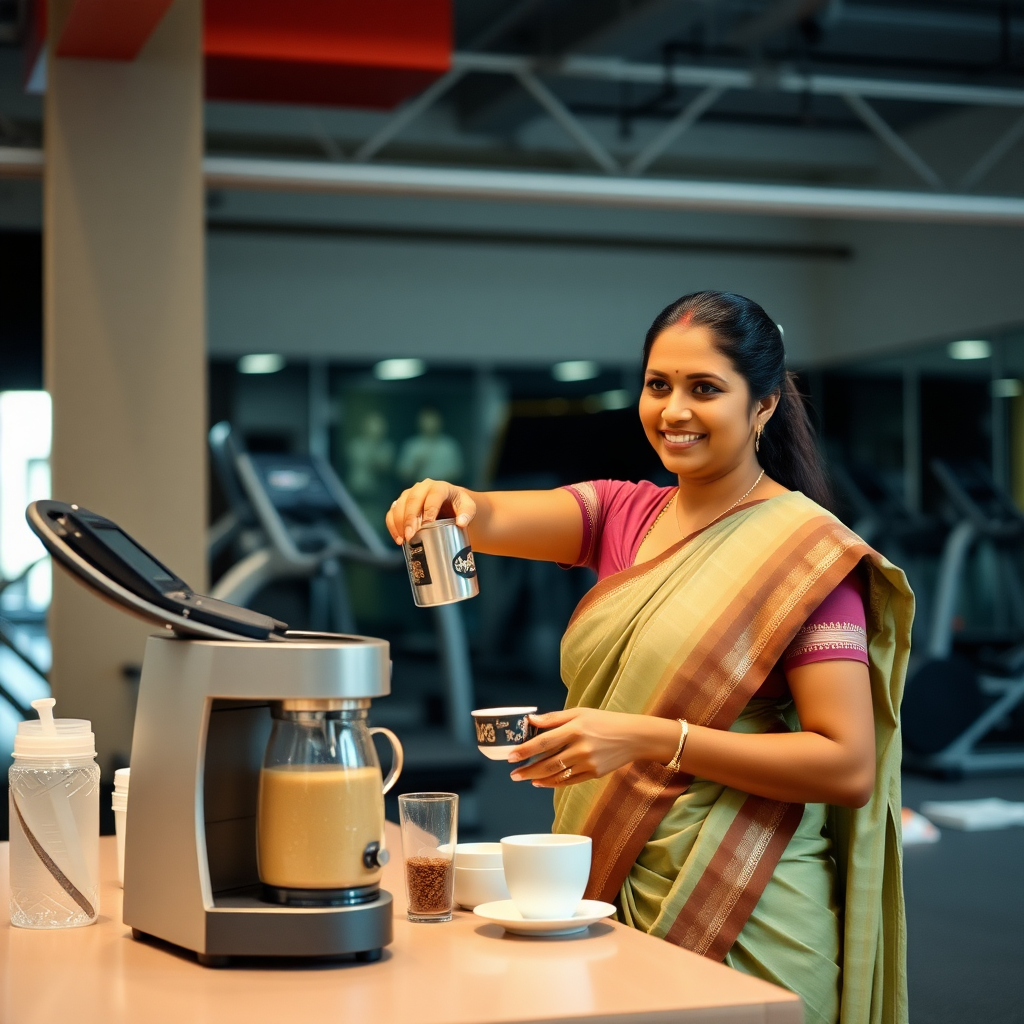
464,563
62,880
418,568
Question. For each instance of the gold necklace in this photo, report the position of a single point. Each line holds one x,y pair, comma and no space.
657,518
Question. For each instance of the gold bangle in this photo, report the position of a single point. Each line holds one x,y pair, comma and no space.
673,765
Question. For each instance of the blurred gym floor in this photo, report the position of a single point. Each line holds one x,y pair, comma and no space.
965,913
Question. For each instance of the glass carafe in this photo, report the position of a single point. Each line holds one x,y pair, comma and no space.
320,818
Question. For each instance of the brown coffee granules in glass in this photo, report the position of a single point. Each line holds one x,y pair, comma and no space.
430,884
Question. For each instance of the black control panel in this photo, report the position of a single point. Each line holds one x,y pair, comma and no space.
102,555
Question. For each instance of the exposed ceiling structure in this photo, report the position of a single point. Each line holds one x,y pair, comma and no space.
922,96
788,90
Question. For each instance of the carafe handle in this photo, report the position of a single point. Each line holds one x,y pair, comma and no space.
398,758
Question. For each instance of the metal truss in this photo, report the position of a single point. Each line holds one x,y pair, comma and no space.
713,82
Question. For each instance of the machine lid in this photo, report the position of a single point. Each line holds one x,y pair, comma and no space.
104,558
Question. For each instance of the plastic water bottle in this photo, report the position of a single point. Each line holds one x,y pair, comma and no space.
54,822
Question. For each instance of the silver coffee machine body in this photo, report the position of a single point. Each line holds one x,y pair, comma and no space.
201,727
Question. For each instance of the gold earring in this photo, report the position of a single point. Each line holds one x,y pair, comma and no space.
757,437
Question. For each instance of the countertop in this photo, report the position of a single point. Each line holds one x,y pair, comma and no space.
462,972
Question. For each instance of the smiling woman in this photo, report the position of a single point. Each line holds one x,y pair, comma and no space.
730,736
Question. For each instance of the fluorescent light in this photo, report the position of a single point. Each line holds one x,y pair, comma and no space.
261,362
575,369
973,348
399,369
1007,387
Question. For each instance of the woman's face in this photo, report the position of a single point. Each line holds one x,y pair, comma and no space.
695,406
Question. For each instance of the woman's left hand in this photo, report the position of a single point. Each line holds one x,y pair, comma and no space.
585,743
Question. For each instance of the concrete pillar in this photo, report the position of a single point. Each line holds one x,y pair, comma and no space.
125,351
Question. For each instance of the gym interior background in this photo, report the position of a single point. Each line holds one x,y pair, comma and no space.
567,169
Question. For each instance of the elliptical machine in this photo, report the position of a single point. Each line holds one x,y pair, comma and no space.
908,538
974,678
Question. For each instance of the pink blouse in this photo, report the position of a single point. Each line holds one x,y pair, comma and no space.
616,517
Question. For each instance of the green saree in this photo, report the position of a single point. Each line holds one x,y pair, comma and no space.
808,897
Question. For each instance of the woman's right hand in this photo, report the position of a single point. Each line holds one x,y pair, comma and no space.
426,501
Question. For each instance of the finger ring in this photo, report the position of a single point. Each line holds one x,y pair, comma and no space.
567,773
561,764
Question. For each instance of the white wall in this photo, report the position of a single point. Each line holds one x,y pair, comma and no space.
454,301
909,283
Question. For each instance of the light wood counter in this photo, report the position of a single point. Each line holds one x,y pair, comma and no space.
463,972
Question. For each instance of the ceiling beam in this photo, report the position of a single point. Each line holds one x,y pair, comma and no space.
611,69
592,190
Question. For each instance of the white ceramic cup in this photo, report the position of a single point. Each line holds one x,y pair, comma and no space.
546,874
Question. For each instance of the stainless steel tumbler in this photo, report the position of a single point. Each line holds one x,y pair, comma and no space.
441,565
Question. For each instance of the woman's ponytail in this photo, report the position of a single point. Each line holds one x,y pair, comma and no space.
788,452
752,341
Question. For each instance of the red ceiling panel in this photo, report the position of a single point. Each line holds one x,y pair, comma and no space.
359,53
362,53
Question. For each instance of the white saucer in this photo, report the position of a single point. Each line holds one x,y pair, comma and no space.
504,912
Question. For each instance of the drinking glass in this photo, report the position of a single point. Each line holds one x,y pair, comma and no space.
429,835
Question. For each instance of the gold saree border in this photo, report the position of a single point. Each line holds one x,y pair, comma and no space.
715,912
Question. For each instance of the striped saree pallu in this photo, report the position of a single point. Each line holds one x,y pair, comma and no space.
693,634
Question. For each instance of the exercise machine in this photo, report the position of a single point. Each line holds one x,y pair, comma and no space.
973,678
910,539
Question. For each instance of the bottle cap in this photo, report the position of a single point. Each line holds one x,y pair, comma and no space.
122,778
48,737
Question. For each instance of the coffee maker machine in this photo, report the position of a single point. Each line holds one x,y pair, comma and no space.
202,724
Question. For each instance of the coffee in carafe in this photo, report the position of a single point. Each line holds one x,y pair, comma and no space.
320,815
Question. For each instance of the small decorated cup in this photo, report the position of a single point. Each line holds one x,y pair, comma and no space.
500,730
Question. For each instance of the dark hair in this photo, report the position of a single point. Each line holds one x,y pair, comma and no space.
752,341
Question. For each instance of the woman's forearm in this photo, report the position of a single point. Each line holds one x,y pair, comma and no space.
800,767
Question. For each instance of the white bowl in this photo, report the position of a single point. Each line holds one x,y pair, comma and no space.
478,855
474,886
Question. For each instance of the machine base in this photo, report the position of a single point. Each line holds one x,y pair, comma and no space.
241,924
277,896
